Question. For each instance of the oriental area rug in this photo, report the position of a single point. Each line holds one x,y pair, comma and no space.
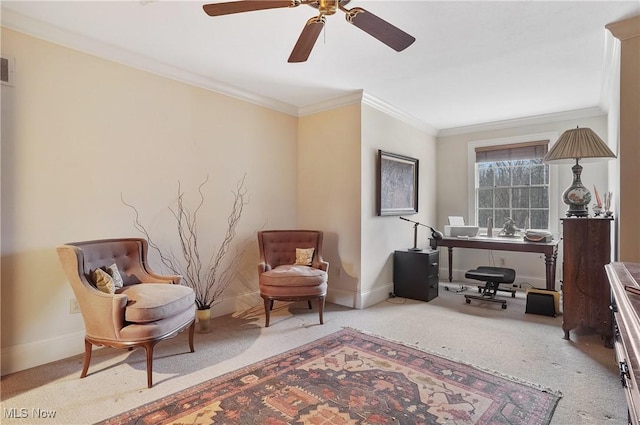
350,377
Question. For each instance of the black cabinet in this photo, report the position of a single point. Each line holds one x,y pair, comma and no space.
415,274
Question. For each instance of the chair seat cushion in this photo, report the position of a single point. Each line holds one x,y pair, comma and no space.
149,302
293,275
492,274
151,330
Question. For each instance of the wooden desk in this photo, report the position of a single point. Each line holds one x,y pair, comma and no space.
549,249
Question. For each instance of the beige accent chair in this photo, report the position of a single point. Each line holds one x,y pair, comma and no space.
148,308
281,279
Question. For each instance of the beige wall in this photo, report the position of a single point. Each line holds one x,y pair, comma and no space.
329,193
381,236
79,131
336,192
453,194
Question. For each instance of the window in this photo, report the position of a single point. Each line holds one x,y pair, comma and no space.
512,181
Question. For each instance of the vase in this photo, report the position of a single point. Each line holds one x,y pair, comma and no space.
204,320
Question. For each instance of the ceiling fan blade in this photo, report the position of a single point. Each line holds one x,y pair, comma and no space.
230,7
307,39
377,27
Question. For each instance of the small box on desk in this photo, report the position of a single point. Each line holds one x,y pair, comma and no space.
457,231
543,301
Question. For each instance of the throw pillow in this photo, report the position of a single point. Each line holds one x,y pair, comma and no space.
115,275
304,256
103,281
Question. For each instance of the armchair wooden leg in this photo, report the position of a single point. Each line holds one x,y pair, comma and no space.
192,329
321,308
268,305
309,302
87,358
148,348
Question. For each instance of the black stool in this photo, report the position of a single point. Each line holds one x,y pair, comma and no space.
493,277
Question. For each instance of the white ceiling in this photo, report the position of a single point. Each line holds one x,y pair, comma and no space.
473,62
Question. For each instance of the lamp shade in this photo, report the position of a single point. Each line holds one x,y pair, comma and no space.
578,143
573,146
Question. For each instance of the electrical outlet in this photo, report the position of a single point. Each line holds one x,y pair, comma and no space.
74,308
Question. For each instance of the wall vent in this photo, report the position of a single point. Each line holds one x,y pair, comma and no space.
7,71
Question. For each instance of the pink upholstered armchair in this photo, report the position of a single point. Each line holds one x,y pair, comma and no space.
147,309
289,270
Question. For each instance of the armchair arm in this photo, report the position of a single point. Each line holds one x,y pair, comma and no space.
158,278
103,314
323,265
263,267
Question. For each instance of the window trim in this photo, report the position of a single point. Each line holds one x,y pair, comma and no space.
554,193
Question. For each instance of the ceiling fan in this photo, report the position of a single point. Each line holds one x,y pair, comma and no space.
377,27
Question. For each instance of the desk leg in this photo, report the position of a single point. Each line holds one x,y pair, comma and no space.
450,249
550,263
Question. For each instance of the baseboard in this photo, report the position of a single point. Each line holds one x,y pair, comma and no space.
235,304
342,297
26,356
370,298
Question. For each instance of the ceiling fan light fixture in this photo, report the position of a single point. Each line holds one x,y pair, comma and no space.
328,7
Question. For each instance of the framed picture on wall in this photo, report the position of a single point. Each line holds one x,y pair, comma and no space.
397,184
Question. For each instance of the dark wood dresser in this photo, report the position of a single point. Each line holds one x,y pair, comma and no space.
585,291
625,304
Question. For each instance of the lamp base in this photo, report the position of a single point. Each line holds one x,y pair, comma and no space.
577,196
577,211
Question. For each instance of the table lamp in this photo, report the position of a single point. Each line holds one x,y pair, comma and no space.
575,145
435,234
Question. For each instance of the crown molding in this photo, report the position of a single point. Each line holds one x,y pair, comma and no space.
389,109
594,111
336,102
625,29
42,30
367,99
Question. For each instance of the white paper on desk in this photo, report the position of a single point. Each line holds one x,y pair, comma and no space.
456,221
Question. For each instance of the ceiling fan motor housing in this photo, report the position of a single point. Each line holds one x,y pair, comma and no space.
328,7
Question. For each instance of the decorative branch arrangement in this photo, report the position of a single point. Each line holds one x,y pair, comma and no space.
208,279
